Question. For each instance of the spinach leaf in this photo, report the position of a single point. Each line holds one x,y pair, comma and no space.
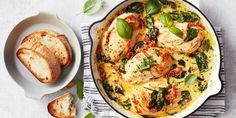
166,20
208,46
190,79
124,29
92,6
185,96
79,87
193,17
202,85
181,62
157,52
149,21
136,46
153,32
202,61
108,89
157,99
200,78
171,4
119,90
136,7
153,99
101,57
177,16
184,16
205,46
146,64
147,116
176,31
191,34
89,115
182,75
161,100
153,7
126,104
122,66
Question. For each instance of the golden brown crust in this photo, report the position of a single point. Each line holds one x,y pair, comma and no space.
53,111
64,40
38,37
43,52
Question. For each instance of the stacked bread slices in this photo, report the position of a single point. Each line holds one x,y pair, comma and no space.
44,53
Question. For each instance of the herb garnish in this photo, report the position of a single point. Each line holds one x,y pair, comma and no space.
146,64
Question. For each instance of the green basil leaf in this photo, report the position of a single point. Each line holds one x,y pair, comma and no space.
80,89
89,115
176,31
92,6
166,20
190,79
191,34
136,7
123,28
153,7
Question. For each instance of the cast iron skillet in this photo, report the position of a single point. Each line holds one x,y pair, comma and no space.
214,85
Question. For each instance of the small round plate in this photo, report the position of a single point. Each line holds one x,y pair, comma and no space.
33,88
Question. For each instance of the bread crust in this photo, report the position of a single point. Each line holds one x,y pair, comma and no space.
54,112
43,52
37,36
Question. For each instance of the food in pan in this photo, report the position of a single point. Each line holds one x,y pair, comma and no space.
155,58
44,53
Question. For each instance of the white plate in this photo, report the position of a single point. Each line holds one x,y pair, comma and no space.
33,88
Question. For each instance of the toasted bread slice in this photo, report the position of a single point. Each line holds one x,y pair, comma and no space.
63,107
57,43
39,61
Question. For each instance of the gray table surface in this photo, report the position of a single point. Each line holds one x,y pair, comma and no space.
13,104
222,13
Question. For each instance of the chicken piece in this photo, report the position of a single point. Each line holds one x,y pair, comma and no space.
113,45
147,64
171,41
140,102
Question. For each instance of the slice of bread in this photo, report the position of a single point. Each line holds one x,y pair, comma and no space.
63,107
40,61
57,43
